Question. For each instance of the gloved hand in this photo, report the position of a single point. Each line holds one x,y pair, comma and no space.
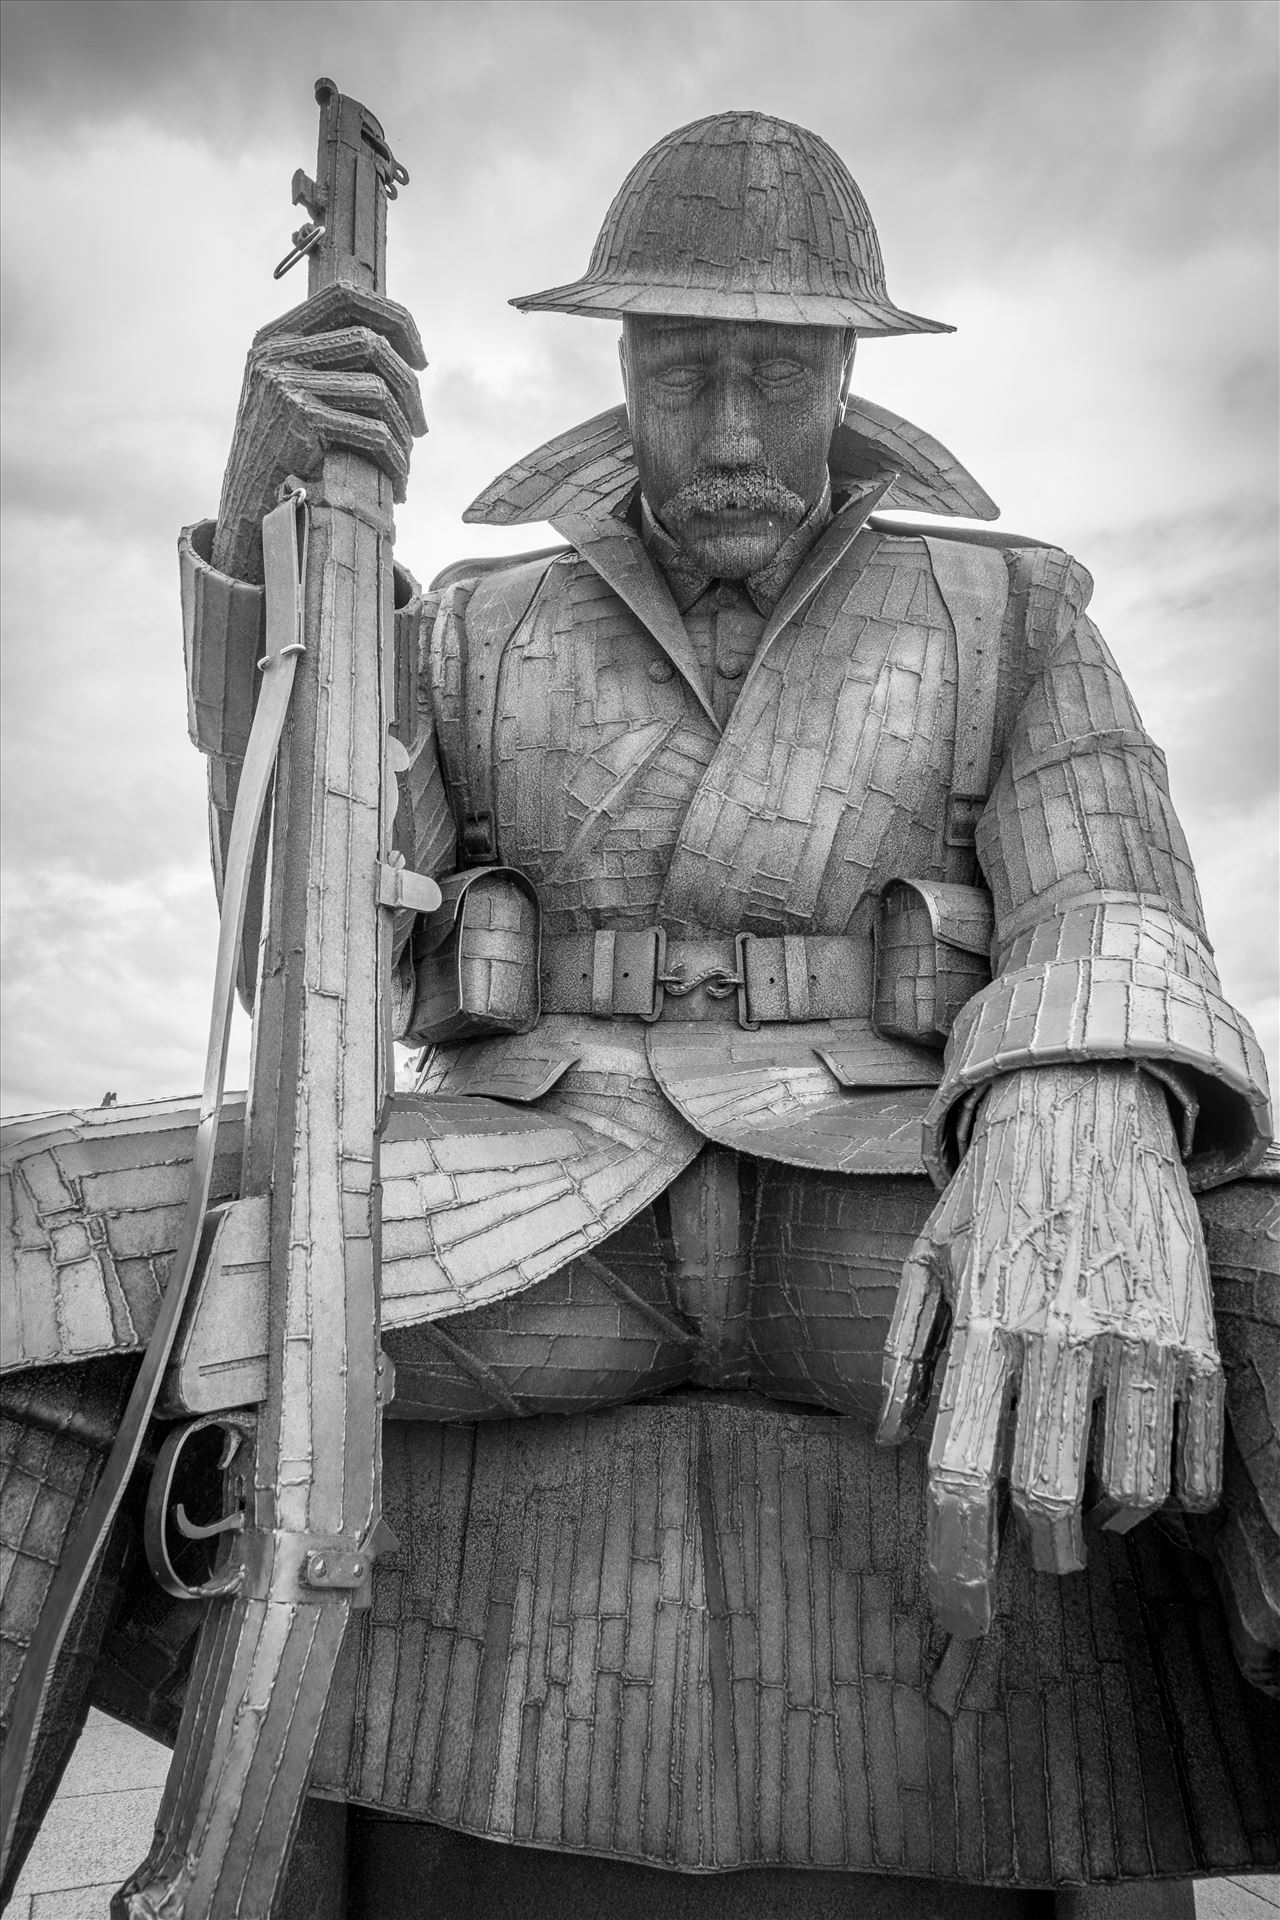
335,372
1064,1267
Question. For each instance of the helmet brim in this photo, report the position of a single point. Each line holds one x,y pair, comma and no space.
612,299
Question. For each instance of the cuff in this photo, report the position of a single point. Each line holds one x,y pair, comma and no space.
223,637
1118,978
222,631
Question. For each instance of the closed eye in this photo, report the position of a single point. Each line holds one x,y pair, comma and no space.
680,380
779,373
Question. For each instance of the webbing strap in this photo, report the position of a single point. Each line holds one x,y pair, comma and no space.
489,613
284,542
974,584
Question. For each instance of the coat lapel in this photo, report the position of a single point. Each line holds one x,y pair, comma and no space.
622,560
822,558
823,758
620,557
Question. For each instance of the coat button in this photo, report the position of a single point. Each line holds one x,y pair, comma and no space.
730,669
660,670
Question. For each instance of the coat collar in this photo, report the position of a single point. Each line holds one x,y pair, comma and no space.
591,471
585,484
618,554
611,545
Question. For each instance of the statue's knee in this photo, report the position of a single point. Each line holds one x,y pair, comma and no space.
829,1253
1242,1239
569,1344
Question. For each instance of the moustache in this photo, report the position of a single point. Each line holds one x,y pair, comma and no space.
732,489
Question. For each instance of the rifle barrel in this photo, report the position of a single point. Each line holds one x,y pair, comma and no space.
318,1085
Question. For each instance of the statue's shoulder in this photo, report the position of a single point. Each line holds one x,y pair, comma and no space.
494,592
469,613
1044,587
496,570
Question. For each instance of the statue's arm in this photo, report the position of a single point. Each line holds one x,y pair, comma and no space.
1066,1255
335,372
1100,948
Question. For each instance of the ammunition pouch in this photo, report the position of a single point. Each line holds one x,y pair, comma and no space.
933,953
481,966
476,959
930,955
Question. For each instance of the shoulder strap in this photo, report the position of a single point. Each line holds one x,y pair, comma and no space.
482,616
974,583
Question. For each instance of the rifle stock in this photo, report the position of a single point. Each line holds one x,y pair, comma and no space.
319,1081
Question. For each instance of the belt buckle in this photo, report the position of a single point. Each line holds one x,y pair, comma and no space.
659,968
744,1005
717,981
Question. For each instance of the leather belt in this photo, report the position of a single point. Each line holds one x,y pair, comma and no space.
747,978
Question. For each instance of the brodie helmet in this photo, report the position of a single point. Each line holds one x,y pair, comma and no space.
738,217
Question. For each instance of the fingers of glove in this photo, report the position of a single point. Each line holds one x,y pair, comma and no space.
962,1480
329,427
916,1337
351,350
343,306
1046,1480
1197,1463
361,393
1139,1388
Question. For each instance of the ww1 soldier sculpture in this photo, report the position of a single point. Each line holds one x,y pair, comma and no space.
821,1045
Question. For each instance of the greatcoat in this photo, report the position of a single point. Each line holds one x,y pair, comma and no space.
921,707
586,1634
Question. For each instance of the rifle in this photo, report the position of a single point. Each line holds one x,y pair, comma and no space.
276,1611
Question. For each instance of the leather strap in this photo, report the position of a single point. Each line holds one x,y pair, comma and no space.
607,974
974,584
284,542
489,614
641,974
806,976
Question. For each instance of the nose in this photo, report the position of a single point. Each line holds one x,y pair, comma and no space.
734,438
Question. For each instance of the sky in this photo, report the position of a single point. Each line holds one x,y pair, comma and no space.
1087,191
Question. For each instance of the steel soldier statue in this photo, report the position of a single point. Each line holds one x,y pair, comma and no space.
819,1033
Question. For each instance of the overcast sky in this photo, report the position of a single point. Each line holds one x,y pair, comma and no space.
1086,190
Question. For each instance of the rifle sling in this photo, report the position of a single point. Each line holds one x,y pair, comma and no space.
284,542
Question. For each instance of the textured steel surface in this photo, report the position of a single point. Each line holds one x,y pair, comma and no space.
1065,1270
480,1196
740,216
477,960
320,1074
284,535
56,1430
1242,1237
833,776
742,1273
933,946
92,1207
699,1631
694,1633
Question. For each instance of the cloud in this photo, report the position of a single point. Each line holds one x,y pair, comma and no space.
125,1009
1089,192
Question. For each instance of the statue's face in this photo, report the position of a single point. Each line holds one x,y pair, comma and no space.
731,422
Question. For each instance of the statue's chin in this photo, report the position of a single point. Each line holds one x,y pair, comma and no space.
734,545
